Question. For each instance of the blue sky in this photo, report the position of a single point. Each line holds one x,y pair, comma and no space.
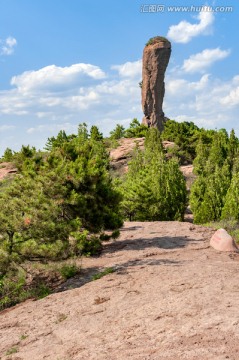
67,62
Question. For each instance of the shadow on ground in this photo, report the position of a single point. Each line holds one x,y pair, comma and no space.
165,242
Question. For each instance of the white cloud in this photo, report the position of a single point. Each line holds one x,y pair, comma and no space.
53,129
185,31
205,101
41,112
6,127
232,99
7,46
129,69
55,78
201,61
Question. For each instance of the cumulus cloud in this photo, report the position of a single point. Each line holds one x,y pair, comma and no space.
232,98
40,112
203,60
129,69
184,31
55,78
7,46
204,101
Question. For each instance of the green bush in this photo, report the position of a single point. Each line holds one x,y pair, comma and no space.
68,271
87,244
12,288
5,261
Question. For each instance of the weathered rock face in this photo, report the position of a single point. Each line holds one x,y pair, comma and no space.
155,61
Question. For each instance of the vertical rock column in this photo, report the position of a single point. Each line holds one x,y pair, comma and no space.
155,61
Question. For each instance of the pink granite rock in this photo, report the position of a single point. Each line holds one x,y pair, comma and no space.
222,241
155,61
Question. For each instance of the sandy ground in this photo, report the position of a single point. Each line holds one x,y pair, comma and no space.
171,297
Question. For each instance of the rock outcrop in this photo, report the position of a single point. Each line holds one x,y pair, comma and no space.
155,61
7,170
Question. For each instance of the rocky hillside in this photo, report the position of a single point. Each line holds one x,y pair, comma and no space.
121,156
170,296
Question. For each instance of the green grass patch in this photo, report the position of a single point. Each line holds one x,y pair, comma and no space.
107,271
231,226
11,351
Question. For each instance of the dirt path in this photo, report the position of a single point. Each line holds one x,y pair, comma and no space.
171,297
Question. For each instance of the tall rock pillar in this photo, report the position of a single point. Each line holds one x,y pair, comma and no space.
155,61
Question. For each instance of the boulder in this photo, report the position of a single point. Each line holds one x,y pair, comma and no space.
222,241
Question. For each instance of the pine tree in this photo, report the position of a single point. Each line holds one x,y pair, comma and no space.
32,221
95,134
136,129
91,196
233,145
208,195
218,151
231,207
154,188
8,155
118,132
202,153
